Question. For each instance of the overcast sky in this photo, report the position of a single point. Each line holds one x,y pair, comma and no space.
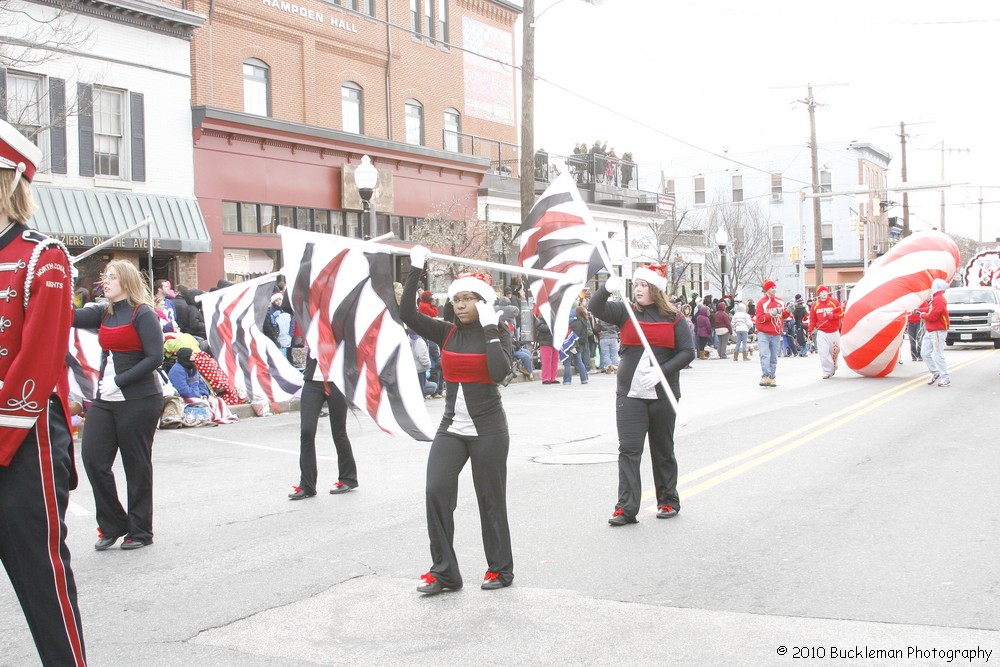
725,74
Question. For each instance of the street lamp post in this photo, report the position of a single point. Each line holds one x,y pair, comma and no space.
366,178
722,239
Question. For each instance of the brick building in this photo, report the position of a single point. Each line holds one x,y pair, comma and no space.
287,98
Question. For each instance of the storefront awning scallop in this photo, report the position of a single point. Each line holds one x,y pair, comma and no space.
85,218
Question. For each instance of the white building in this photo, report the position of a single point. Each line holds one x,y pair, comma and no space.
105,91
774,180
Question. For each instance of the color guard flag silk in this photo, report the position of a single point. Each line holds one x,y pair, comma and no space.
342,295
255,365
559,235
83,361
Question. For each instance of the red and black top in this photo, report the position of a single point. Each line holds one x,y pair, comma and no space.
132,342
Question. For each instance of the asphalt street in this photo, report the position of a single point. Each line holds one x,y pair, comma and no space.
822,521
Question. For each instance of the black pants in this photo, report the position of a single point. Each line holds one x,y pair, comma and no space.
127,427
447,457
638,417
312,401
34,492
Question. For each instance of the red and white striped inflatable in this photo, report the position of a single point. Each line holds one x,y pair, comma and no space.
896,283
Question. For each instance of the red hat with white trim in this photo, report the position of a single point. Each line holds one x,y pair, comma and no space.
480,284
653,274
18,153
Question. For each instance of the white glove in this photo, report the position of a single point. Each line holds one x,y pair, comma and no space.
774,312
107,387
418,256
486,313
648,377
615,285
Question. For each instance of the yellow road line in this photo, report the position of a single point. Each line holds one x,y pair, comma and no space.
798,437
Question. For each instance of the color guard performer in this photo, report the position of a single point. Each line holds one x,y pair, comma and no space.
475,356
37,470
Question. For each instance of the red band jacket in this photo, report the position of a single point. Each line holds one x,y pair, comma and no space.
36,310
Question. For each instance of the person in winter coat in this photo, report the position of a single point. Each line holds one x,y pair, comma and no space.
195,319
426,305
723,326
913,333
825,319
800,313
422,360
641,403
578,326
936,322
741,324
769,320
608,344
475,356
703,328
186,379
547,353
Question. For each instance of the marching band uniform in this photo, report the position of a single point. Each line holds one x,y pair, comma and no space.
825,320
641,412
474,357
37,468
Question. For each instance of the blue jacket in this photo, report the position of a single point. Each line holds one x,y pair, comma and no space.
188,386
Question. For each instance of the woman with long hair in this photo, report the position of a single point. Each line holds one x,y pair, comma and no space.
641,404
124,416
475,356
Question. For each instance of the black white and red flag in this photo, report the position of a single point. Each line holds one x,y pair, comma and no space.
83,363
251,360
559,235
342,295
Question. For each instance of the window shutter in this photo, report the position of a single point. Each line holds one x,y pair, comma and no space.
85,115
3,93
138,124
57,130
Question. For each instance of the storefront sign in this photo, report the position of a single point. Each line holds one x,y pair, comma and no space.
88,241
310,14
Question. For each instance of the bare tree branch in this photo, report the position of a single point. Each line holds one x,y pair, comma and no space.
34,34
750,257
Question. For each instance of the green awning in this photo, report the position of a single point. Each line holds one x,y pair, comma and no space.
85,218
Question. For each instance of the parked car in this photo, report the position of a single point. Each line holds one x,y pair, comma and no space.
973,315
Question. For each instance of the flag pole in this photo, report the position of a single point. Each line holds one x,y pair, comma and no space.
397,250
642,337
105,244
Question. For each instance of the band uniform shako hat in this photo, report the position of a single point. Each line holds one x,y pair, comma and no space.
18,153
479,283
653,274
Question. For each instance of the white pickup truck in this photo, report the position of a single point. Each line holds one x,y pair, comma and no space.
973,315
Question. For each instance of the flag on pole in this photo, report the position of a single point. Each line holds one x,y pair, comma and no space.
342,295
559,235
251,360
83,363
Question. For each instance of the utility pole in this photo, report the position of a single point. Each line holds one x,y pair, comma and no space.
527,175
906,198
810,103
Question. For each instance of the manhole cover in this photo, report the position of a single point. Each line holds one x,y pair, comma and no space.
575,459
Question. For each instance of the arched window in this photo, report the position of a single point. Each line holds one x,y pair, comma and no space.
256,87
350,105
452,128
414,112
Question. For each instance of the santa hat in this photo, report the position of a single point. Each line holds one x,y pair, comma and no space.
822,288
653,274
18,153
769,284
276,297
480,284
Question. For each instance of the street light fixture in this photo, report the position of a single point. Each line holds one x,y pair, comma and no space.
366,178
722,239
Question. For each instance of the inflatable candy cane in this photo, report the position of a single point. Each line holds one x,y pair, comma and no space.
896,283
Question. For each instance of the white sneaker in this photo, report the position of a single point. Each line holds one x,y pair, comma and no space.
944,383
934,378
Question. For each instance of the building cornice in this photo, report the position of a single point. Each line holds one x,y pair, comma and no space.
237,125
145,14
